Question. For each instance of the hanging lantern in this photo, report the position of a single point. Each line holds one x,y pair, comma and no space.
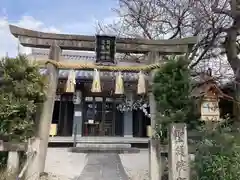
96,85
119,87
71,82
141,87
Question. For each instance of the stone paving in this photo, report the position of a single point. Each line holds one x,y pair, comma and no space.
64,165
136,165
103,166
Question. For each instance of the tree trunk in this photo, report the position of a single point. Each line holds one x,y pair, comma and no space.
232,56
237,98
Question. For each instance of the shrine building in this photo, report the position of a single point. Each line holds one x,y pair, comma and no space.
96,114
102,87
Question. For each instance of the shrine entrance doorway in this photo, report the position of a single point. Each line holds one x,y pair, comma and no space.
63,115
101,116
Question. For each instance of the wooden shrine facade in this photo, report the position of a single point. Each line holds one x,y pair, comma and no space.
97,114
108,120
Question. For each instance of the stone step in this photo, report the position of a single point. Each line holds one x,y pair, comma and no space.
102,149
100,145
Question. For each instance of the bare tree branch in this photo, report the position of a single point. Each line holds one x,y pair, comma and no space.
215,22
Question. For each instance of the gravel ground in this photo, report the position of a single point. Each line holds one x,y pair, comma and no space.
64,165
55,177
136,165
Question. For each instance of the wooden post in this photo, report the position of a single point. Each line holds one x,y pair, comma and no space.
13,156
13,163
47,111
32,168
155,160
178,161
155,169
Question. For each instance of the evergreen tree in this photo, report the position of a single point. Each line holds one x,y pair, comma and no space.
22,88
172,93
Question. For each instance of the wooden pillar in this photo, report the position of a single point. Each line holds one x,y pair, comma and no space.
59,129
101,128
140,123
65,118
78,114
128,117
178,161
155,168
114,118
47,111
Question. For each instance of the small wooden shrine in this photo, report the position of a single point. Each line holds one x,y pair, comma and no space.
208,95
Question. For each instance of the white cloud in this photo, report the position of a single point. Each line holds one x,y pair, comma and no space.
29,22
9,44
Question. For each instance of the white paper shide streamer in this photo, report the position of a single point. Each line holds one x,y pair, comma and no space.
71,82
119,86
96,85
141,87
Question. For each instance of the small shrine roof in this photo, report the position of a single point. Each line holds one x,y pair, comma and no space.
203,89
205,85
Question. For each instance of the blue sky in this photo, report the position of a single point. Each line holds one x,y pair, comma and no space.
69,16
58,11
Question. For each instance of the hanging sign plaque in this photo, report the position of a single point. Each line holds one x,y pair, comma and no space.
105,49
210,109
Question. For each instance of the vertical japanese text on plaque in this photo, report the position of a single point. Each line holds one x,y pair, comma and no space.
105,49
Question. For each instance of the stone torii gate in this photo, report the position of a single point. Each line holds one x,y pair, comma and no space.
58,42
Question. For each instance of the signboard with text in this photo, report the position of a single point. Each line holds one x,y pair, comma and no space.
105,49
210,110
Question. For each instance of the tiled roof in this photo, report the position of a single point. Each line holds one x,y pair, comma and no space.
67,55
88,57
71,55
82,74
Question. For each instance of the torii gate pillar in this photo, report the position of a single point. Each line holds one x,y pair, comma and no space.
48,106
155,164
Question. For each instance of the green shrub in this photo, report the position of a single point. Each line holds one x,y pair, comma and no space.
3,159
21,89
217,157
